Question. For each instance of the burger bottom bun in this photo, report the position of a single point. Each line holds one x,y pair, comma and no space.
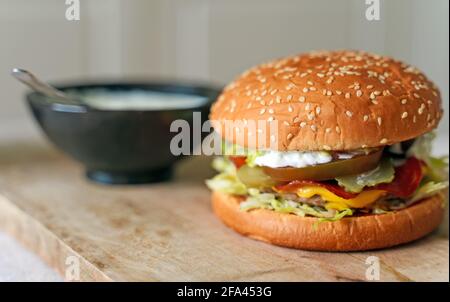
348,234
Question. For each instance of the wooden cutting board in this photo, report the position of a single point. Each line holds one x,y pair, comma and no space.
167,232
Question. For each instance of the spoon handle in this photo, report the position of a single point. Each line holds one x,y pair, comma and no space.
33,82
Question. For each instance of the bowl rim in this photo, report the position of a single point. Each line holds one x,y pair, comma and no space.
210,91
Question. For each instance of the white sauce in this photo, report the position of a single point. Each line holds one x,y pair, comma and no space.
275,159
140,100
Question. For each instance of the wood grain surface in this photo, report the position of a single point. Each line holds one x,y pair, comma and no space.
167,232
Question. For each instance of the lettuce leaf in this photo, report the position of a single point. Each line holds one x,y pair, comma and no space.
384,173
338,215
258,200
428,189
223,165
227,183
421,149
251,156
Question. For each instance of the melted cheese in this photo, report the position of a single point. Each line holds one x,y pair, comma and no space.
338,203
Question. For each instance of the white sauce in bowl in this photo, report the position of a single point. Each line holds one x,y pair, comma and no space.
139,100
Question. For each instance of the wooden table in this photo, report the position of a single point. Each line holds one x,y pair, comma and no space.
167,232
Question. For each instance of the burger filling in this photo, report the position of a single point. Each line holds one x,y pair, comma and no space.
331,185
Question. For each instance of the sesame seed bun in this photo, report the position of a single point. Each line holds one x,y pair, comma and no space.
357,233
331,100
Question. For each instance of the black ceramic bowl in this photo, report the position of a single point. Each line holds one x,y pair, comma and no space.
118,147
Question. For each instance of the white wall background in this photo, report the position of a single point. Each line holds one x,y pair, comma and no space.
205,40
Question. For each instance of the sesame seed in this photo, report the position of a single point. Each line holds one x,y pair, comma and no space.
326,147
414,119
302,99
338,130
310,83
376,92
416,95
262,111
374,102
263,93
305,89
384,141
272,138
320,75
366,118
372,96
349,113
380,121
329,93
369,86
421,109
308,106
271,111
302,124
286,123
270,119
338,92
318,110
289,97
314,128
404,101
289,136
359,93
258,98
290,109
313,88
278,99
303,74
404,115
347,95
311,116
328,130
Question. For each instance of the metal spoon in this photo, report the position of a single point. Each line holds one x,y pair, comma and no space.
34,83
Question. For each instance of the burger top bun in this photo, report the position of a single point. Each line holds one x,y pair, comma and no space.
329,100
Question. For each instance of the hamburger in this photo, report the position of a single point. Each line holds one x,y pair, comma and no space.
348,166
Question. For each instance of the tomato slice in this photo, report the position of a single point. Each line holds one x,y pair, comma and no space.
327,171
293,186
407,179
238,161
